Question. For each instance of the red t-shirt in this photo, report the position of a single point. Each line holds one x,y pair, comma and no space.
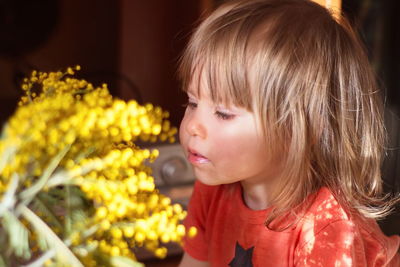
231,234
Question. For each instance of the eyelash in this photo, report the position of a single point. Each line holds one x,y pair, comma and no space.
219,114
190,105
223,115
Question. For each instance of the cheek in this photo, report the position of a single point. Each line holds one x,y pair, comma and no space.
237,145
182,132
228,147
236,159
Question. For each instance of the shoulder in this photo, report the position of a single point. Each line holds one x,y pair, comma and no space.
324,217
324,210
330,231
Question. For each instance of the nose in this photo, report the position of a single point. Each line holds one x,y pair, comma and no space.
195,126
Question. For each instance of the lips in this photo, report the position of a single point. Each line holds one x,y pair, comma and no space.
196,158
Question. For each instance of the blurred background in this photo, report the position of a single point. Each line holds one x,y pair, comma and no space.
134,46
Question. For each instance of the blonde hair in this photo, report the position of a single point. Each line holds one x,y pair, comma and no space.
307,78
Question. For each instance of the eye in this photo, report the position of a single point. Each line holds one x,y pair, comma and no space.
190,104
224,115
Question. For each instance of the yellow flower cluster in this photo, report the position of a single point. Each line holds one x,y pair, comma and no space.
95,134
71,111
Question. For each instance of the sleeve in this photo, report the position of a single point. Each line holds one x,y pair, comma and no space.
197,216
339,244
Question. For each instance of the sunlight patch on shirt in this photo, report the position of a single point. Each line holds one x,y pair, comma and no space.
348,241
309,236
344,261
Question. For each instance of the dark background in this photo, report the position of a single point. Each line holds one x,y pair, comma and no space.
378,26
134,45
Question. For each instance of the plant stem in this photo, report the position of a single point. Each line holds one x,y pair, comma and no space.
42,228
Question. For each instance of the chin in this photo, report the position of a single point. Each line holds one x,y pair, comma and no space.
208,180
211,180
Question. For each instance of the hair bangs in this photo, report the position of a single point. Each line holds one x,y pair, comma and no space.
217,58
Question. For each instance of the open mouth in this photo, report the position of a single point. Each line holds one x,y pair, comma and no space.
196,158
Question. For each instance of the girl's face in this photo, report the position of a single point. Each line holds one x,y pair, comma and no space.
223,143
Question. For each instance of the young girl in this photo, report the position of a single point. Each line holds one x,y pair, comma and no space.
284,130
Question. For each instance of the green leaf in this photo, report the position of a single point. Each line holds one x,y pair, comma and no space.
79,219
62,177
65,177
68,215
119,261
30,193
17,235
2,263
85,154
3,131
43,207
8,200
39,262
63,253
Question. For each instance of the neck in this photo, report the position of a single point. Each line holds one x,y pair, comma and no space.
256,195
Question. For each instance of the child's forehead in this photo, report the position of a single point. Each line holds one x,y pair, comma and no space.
218,68
218,97
199,87
213,87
